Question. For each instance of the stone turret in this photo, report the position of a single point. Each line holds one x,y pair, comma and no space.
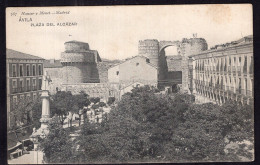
79,63
150,49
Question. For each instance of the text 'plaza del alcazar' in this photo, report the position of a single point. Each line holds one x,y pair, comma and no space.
214,75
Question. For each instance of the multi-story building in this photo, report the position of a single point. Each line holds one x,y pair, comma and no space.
224,73
24,78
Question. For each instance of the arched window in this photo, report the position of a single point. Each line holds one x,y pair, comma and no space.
245,65
27,70
34,70
251,66
40,70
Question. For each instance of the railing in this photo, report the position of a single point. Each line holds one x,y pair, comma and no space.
243,92
34,88
14,90
249,93
227,88
28,88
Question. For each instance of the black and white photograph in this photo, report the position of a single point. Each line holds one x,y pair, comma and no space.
130,84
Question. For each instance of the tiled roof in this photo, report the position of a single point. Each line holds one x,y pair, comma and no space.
12,54
52,64
133,58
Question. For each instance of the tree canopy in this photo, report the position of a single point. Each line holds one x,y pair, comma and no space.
146,127
63,102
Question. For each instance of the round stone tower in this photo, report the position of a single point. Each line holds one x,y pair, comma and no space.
79,63
150,49
187,48
192,46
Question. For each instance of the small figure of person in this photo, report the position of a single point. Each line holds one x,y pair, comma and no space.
80,114
70,119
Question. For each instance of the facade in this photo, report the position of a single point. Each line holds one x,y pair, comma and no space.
157,68
129,88
81,61
23,78
54,70
133,70
224,73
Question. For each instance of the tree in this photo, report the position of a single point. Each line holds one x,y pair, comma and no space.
111,100
25,112
63,102
57,145
145,126
94,100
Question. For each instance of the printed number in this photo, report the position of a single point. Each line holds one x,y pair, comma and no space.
13,14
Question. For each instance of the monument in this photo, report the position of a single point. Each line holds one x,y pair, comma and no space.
43,131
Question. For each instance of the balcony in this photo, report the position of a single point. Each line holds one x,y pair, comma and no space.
243,92
227,88
239,73
249,93
14,90
239,91
20,90
34,88
28,88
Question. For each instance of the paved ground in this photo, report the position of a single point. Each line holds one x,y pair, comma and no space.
33,158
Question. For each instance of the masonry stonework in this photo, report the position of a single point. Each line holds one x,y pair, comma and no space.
79,63
154,50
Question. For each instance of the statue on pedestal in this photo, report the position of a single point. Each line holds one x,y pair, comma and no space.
43,131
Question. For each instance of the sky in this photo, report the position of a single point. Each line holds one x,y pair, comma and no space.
114,31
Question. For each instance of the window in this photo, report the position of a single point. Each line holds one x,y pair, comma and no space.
14,99
21,86
239,86
28,85
14,85
40,70
34,84
245,65
21,70
27,70
34,70
21,97
245,85
251,66
34,96
21,83
14,70
117,72
40,83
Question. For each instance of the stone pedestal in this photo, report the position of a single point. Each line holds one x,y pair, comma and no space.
45,110
43,130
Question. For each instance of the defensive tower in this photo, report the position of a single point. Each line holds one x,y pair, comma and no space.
79,63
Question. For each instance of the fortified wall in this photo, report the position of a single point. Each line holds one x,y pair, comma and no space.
81,69
155,51
80,61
